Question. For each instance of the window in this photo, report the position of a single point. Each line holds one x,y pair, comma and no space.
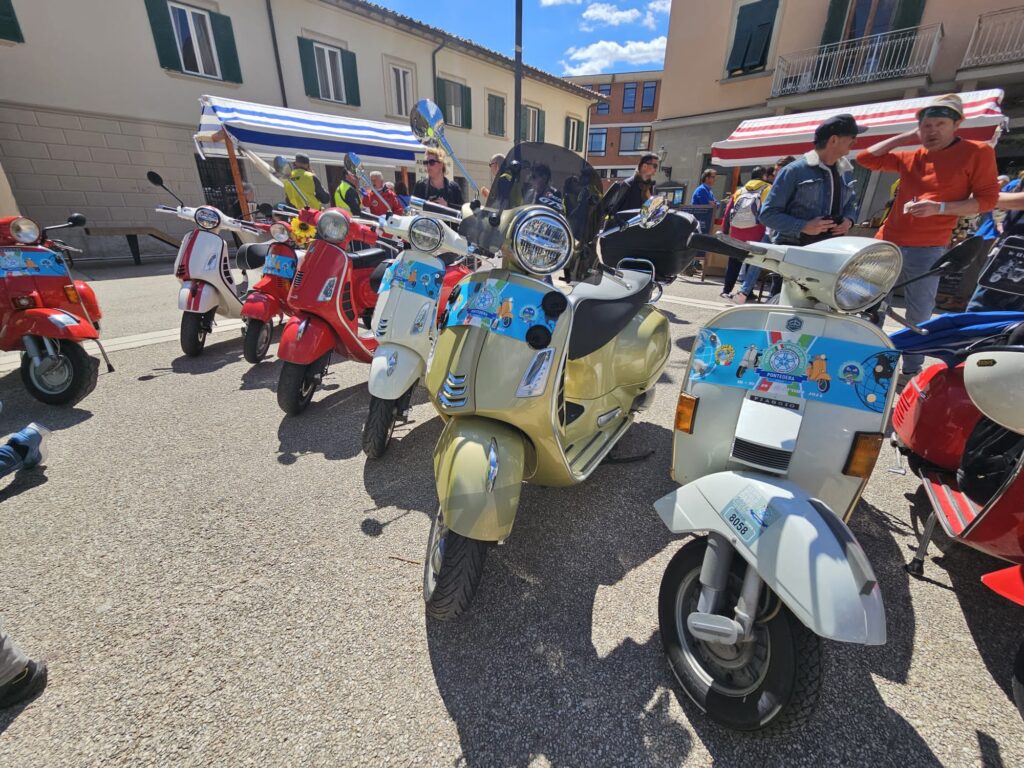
9,27
650,92
455,102
574,134
532,128
605,89
629,97
869,17
495,115
217,182
401,89
597,140
635,139
188,39
754,25
329,72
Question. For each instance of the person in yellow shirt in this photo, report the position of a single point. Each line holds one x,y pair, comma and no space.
304,181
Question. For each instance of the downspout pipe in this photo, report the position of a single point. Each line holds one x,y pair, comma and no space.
433,66
277,55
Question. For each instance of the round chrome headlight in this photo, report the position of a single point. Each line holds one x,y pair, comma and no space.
541,241
332,226
867,277
207,217
280,232
425,234
25,231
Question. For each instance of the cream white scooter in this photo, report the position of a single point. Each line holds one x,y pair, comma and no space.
771,464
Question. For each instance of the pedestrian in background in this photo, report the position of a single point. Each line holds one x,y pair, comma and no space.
346,196
391,202
987,299
313,193
494,166
752,274
741,221
436,187
629,194
945,178
704,194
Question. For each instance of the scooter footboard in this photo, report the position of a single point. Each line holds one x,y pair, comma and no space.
393,370
478,468
197,296
800,548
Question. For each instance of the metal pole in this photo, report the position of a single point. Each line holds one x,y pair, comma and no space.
518,116
277,55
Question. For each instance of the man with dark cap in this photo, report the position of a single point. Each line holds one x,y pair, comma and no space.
305,181
813,198
945,178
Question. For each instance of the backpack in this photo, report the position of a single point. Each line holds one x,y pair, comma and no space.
745,209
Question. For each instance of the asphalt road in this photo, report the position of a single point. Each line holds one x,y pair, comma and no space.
212,583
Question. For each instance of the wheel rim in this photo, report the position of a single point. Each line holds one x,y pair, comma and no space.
56,378
435,555
732,670
308,385
264,339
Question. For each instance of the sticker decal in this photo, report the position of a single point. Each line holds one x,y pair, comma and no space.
280,265
33,262
496,305
414,276
748,514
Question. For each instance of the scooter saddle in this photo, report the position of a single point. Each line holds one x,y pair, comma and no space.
602,311
369,257
252,255
378,274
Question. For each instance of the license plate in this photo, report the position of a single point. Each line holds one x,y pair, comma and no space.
748,514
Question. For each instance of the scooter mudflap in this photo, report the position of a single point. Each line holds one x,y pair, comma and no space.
712,628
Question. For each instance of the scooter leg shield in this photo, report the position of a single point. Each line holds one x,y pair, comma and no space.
800,548
478,468
393,370
197,296
305,338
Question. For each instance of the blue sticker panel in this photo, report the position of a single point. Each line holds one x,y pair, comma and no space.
280,265
798,365
32,262
415,276
501,307
748,514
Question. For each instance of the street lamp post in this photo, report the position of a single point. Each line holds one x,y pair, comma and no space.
518,117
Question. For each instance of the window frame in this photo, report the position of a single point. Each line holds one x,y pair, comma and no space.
329,49
641,130
576,127
450,87
625,88
410,96
504,116
764,70
604,107
189,11
532,122
597,131
643,95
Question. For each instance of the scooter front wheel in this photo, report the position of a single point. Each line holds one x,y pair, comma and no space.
257,340
194,329
451,570
61,380
1018,680
769,684
297,384
379,426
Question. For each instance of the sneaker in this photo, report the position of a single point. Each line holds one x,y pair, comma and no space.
725,295
27,684
33,438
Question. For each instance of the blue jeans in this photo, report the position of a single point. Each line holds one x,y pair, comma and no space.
750,279
919,296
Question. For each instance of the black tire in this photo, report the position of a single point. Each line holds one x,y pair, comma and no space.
257,340
296,386
380,424
451,579
73,377
1018,679
786,679
194,329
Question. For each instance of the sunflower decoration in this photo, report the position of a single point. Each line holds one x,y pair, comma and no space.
302,231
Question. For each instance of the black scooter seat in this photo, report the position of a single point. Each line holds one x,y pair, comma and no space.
601,312
252,255
369,257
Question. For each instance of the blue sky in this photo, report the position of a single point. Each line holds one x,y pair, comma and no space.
564,37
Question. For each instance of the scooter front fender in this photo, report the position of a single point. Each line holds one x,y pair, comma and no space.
261,306
197,296
1008,582
478,469
48,322
393,370
799,547
305,338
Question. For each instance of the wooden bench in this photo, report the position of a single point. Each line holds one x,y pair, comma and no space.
131,234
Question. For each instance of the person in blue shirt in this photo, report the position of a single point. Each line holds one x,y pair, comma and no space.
704,195
987,228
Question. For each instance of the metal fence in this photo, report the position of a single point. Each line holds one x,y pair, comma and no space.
901,53
998,39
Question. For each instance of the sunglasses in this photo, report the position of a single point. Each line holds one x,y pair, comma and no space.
653,165
431,162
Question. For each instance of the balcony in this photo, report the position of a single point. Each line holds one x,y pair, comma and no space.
897,55
998,39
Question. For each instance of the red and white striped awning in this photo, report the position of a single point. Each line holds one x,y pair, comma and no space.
766,139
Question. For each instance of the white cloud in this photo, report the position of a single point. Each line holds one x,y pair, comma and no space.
653,8
603,55
548,3
606,15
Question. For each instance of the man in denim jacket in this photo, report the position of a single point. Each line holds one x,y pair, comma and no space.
812,198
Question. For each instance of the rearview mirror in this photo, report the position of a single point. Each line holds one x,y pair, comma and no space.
653,211
427,123
353,163
961,256
282,168
155,178
76,220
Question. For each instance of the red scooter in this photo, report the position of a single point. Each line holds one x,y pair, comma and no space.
46,313
331,293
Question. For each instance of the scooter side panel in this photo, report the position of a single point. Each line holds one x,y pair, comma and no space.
478,467
42,321
800,548
393,370
304,345
197,296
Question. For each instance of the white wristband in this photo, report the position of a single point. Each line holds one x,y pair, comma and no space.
942,207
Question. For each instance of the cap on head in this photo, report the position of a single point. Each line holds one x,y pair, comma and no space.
837,125
949,106
301,157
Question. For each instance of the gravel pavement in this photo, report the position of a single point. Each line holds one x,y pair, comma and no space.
213,583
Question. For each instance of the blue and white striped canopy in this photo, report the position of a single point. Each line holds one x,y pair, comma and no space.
269,131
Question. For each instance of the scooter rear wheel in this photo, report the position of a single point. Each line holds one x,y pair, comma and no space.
1018,679
194,329
451,570
64,381
257,340
769,685
297,384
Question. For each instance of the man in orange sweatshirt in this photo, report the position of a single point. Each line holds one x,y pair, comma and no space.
946,178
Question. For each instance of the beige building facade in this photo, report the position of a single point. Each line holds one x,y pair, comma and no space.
742,59
94,95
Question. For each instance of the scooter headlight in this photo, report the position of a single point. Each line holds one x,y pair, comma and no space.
25,231
541,241
332,226
207,217
867,277
425,234
280,232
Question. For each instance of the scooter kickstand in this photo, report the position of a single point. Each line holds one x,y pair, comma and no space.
899,469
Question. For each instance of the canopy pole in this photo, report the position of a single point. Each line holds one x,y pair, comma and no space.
236,173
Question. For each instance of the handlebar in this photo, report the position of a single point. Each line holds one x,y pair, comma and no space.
444,210
726,246
186,213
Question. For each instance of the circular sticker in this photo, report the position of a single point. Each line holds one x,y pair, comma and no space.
724,354
785,358
526,314
851,372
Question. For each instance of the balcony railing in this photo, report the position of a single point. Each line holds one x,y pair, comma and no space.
998,39
890,55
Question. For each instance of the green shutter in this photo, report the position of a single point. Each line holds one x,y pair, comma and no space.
835,22
227,54
163,34
540,125
579,136
9,27
308,60
467,107
441,96
495,115
908,14
351,77
568,133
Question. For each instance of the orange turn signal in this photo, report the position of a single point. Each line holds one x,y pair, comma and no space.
686,409
863,454
71,293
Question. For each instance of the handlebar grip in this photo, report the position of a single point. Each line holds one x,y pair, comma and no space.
714,244
442,209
